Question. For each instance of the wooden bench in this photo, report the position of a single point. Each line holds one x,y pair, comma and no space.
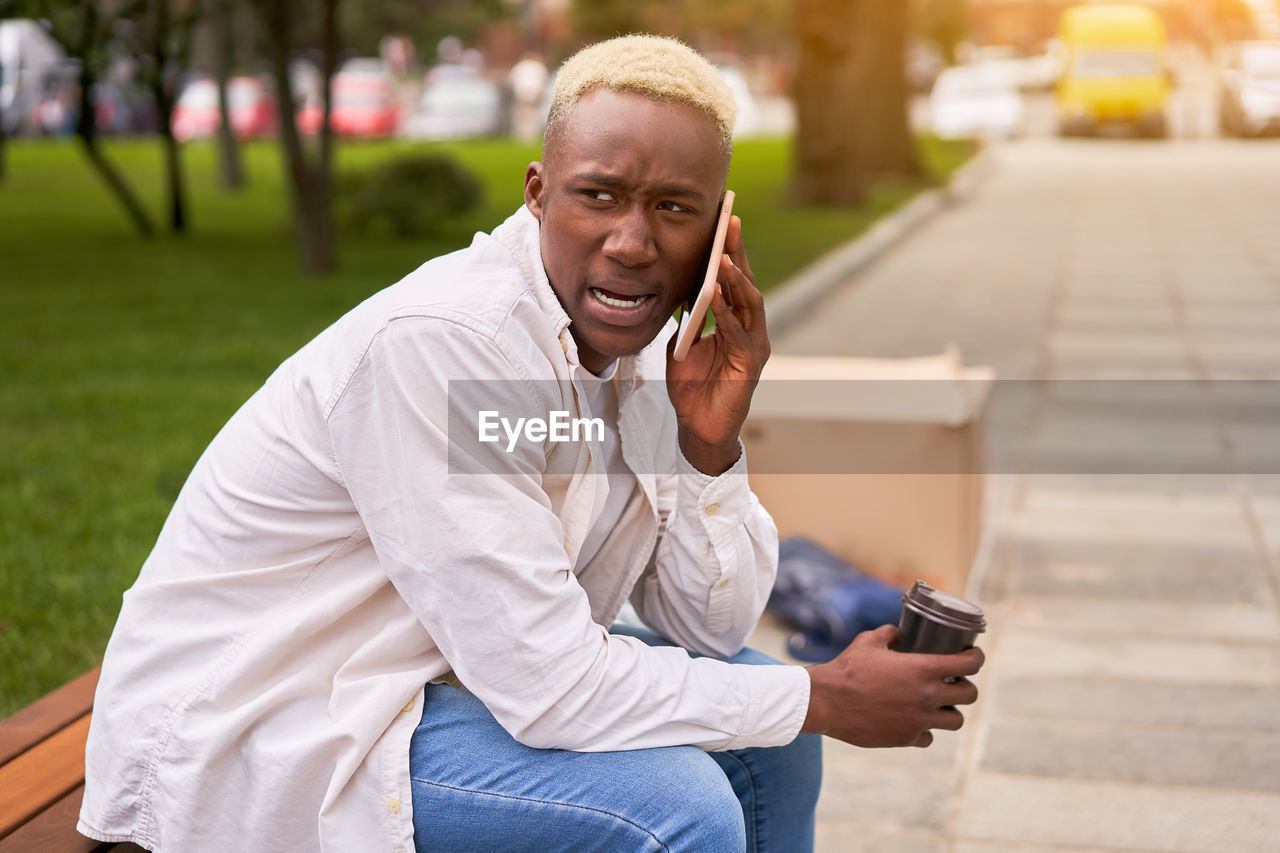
42,773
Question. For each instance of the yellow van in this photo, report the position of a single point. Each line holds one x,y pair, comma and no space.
1116,69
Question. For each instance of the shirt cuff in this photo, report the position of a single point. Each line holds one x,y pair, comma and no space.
778,706
725,498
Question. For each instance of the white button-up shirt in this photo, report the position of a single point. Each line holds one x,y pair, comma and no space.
343,541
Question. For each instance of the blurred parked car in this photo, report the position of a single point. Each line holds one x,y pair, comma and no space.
975,101
454,106
251,109
365,102
1250,95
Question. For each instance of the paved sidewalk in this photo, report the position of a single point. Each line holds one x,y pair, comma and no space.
1131,698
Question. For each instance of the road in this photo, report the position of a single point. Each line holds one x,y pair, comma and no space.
1131,699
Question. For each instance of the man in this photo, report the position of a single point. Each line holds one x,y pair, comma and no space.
353,534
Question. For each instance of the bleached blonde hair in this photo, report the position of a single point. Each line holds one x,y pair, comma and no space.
657,67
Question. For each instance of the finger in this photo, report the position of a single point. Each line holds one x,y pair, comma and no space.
958,665
742,293
947,719
968,662
962,692
735,249
926,738
727,322
726,279
883,637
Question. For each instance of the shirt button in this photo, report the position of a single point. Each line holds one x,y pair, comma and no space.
408,706
723,583
712,509
393,805
564,345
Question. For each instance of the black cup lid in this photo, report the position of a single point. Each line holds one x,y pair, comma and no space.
944,607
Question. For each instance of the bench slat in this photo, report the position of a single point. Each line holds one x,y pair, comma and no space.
41,775
53,830
47,715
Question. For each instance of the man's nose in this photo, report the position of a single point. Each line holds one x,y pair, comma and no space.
630,241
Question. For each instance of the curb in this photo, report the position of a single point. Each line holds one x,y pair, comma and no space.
796,297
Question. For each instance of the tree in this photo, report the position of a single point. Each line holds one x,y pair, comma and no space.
851,98
883,142
83,33
309,173
944,23
221,15
159,35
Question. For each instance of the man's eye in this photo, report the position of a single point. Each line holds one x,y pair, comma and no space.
598,195
673,206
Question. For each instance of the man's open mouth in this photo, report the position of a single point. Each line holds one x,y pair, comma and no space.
617,300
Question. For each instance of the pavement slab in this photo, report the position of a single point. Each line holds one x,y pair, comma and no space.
840,837
1133,573
1240,621
1147,702
1134,753
885,798
1027,652
1002,807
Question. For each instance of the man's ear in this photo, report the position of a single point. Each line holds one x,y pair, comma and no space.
534,186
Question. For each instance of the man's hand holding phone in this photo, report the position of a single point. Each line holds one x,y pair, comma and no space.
711,387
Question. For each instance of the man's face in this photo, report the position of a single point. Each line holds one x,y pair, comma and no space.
628,199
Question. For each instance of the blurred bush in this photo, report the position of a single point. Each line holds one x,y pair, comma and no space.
411,195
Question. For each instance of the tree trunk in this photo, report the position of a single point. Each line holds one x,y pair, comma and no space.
884,145
824,170
86,129
329,67
308,185
164,97
231,173
851,99
175,180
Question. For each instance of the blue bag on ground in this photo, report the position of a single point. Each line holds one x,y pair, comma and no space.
828,600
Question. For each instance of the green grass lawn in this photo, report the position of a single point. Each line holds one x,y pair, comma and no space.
121,358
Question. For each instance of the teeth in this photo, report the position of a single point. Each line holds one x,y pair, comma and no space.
618,303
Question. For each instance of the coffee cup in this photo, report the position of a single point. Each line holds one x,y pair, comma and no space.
934,622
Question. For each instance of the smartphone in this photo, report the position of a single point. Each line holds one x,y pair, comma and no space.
691,322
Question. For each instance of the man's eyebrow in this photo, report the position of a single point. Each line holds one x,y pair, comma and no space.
608,180
600,178
679,189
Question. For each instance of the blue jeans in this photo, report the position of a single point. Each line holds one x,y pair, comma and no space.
476,788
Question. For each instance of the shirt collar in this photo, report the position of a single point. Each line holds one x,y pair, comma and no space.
520,235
